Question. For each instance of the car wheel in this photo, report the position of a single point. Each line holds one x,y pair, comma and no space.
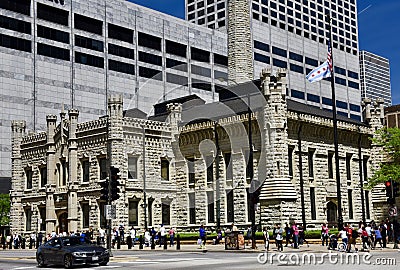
40,260
67,261
103,263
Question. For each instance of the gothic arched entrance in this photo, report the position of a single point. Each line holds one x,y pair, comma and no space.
331,213
63,222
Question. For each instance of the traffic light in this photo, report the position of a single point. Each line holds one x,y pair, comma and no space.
114,183
389,189
395,189
104,190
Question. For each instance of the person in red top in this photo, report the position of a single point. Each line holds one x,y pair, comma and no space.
324,234
365,238
295,231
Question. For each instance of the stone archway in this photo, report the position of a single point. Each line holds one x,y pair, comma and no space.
331,213
63,222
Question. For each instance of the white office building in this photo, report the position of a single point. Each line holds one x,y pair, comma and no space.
74,53
293,34
375,77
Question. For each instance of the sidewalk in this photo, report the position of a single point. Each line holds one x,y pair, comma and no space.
312,248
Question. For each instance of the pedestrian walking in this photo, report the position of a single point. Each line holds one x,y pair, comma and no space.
162,234
353,239
378,237
324,234
39,239
383,229
295,231
266,238
287,234
132,234
279,237
302,236
147,238
365,239
248,235
171,236
102,234
202,236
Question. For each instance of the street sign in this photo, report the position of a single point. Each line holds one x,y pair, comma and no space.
392,211
110,211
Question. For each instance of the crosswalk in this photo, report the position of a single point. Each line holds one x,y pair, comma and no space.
158,263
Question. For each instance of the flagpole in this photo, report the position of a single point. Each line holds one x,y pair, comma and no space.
335,129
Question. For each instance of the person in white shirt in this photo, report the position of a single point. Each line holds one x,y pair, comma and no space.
147,238
279,237
162,234
102,234
343,234
266,238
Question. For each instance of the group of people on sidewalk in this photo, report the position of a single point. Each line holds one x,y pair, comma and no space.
370,235
161,236
293,235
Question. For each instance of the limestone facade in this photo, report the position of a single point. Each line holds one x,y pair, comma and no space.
56,174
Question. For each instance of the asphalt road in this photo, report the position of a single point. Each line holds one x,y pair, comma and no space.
389,259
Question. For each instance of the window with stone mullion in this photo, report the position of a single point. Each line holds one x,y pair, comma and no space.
132,167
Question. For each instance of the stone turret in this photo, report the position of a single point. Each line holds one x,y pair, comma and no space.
240,56
72,171
278,191
51,177
374,116
116,150
174,117
18,175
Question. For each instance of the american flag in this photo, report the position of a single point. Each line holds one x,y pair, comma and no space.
330,56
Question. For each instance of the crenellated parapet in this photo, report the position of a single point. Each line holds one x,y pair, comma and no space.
374,113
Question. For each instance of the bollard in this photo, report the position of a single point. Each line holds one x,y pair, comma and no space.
30,243
129,241
165,243
141,242
178,242
153,246
118,243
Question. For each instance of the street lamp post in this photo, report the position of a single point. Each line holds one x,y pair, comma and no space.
144,178
253,193
217,160
335,132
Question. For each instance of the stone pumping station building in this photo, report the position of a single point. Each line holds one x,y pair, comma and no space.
191,158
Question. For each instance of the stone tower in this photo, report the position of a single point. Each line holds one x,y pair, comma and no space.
18,175
240,58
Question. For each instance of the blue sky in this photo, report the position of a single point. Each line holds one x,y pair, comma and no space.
378,25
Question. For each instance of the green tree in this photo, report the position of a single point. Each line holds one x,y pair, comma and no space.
4,209
389,139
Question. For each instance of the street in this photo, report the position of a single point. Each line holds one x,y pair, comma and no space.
310,258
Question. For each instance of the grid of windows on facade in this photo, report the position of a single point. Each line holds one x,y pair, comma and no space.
210,13
300,64
95,26
307,18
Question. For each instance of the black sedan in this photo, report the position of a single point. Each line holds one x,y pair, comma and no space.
70,251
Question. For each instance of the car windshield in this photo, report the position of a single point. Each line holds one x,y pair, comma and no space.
74,241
